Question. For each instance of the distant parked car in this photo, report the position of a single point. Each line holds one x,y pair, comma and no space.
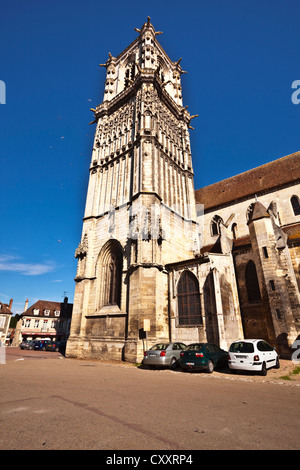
41,344
27,344
56,346
203,356
163,354
252,354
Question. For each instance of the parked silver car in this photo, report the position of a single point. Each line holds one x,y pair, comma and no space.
163,355
27,344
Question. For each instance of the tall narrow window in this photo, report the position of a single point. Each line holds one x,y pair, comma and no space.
114,278
252,283
189,308
278,314
234,231
215,225
129,74
127,78
295,205
147,121
272,284
110,265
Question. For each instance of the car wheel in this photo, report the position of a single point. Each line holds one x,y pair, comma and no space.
173,363
264,369
277,365
210,367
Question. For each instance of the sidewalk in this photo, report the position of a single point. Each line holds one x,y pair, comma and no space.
285,375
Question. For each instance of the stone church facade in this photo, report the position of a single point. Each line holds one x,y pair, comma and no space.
158,259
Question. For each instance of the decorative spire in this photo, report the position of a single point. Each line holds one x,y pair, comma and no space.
109,60
257,211
148,25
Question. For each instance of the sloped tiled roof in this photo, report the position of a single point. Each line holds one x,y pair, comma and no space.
4,308
64,308
274,174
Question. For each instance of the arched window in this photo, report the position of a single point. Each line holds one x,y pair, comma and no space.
295,205
249,211
189,308
252,283
160,71
109,274
113,292
129,74
215,225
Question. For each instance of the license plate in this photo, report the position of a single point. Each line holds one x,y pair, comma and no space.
241,357
190,363
152,355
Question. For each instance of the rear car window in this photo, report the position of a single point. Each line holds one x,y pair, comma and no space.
242,347
194,347
159,347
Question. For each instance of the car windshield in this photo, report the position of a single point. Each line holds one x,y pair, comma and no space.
242,347
159,347
194,347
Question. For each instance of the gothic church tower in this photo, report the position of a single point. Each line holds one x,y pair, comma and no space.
140,209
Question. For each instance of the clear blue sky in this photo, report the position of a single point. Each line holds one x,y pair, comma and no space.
242,58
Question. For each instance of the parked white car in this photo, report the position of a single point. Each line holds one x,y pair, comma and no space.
252,354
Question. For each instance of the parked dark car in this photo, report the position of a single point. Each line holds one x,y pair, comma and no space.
56,346
41,344
203,356
27,344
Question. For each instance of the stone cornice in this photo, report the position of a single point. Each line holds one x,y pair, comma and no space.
143,76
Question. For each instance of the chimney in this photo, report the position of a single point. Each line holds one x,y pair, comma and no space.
26,305
10,304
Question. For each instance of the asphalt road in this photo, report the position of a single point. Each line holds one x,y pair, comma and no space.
53,403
